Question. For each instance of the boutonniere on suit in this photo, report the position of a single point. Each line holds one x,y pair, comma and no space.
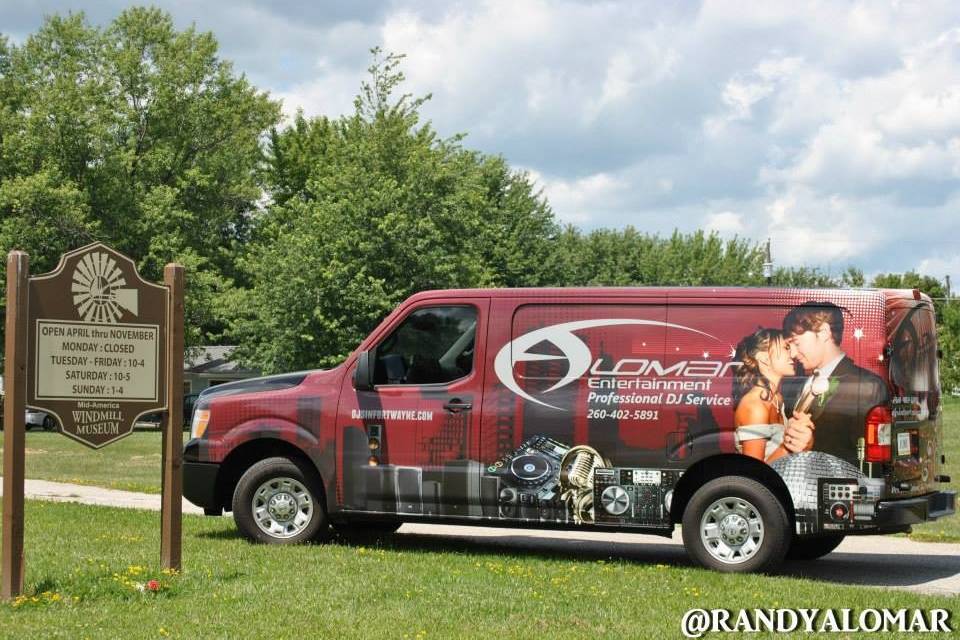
815,387
821,399
832,389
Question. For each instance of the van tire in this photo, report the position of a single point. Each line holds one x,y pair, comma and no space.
735,524
811,548
280,501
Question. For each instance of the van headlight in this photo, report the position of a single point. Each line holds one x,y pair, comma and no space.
201,418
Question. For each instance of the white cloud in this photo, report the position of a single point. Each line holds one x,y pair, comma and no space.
940,266
584,200
924,115
808,230
725,223
332,97
833,128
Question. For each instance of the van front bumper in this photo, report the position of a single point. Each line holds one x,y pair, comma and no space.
894,513
200,485
200,479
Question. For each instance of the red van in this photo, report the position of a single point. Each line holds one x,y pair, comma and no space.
768,422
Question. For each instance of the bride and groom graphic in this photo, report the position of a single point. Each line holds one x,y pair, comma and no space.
777,412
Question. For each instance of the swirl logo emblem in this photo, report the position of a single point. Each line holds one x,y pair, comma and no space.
574,350
97,289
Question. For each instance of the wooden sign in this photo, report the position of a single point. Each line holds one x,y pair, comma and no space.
96,345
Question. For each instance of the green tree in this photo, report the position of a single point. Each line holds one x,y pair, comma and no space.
137,135
367,209
948,332
853,277
627,257
912,280
803,277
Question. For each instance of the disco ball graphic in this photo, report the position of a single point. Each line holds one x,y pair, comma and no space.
97,289
800,472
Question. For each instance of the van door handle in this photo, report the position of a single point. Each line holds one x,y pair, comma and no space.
455,405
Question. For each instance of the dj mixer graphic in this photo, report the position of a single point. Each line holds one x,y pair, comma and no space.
633,496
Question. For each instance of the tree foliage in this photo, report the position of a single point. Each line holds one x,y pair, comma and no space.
137,135
627,257
948,334
367,209
912,280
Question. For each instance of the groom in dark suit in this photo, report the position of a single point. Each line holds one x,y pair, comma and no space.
835,419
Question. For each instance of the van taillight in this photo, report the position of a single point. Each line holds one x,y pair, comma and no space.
878,430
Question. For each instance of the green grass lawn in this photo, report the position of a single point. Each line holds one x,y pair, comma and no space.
133,464
946,529
83,563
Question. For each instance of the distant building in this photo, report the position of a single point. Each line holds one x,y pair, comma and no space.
211,366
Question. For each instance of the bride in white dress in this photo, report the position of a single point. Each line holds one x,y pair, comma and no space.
758,405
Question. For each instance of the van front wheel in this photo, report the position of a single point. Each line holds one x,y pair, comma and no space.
277,501
736,525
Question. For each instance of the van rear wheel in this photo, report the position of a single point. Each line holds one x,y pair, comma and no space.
736,525
278,501
812,548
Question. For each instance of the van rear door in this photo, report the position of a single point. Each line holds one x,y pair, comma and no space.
916,436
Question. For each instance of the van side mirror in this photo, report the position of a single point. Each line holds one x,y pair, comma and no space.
363,374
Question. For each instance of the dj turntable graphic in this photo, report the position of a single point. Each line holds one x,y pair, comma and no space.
549,481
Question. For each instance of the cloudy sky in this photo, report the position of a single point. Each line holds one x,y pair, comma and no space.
832,128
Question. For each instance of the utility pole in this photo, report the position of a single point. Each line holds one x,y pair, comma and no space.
768,265
948,286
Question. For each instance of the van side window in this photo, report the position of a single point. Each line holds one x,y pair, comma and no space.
433,345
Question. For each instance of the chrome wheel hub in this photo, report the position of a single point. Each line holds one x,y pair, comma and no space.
282,507
731,530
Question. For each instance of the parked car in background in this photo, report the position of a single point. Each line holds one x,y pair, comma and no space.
40,420
155,420
189,401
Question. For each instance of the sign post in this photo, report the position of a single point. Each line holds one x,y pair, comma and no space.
15,367
172,499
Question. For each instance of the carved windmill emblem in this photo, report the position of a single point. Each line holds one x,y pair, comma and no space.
97,292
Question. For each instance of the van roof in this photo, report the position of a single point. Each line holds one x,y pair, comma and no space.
684,292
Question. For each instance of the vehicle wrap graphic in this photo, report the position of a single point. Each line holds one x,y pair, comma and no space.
591,414
574,351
